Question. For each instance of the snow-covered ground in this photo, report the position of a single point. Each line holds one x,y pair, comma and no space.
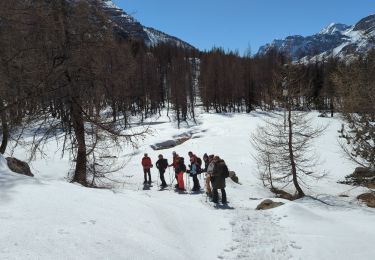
46,217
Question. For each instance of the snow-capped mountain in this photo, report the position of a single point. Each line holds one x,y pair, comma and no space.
337,40
128,26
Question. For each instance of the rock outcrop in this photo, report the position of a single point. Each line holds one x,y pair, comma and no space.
19,166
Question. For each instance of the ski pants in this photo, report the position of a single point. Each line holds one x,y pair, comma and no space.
215,197
147,172
180,179
163,183
196,182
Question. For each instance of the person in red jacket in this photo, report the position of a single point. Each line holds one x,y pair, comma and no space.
147,165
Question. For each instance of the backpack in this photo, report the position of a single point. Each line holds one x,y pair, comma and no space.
199,165
182,166
199,161
164,163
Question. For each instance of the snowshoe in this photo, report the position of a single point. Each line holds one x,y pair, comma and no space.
180,191
146,187
211,204
163,187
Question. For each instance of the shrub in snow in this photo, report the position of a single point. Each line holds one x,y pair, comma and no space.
368,198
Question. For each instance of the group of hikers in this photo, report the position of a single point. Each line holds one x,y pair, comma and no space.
214,168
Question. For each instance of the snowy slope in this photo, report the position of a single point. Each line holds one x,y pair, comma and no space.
45,217
337,40
128,26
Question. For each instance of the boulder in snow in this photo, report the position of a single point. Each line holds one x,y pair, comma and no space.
268,204
18,166
234,177
283,194
368,198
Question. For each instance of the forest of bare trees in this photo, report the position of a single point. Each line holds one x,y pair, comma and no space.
65,73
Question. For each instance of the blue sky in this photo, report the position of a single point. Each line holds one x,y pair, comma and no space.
237,24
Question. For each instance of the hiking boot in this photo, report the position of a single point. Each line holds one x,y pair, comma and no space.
149,182
176,186
145,182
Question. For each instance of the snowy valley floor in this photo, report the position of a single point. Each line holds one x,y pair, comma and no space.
48,218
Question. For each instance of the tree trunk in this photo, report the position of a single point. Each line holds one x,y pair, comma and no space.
331,107
80,174
291,155
5,128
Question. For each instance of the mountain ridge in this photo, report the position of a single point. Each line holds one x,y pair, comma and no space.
128,27
336,40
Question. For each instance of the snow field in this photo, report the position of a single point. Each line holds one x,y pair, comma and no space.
46,217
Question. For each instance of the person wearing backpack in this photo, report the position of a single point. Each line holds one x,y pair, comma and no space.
219,173
198,162
194,171
147,165
175,160
162,165
181,168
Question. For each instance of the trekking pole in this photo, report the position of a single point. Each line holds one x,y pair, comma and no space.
186,181
170,178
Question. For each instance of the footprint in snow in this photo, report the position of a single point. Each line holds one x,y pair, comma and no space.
293,245
63,232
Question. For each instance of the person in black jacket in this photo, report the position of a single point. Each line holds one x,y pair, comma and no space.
162,165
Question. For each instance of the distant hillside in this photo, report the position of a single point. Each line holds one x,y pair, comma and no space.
128,26
338,40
